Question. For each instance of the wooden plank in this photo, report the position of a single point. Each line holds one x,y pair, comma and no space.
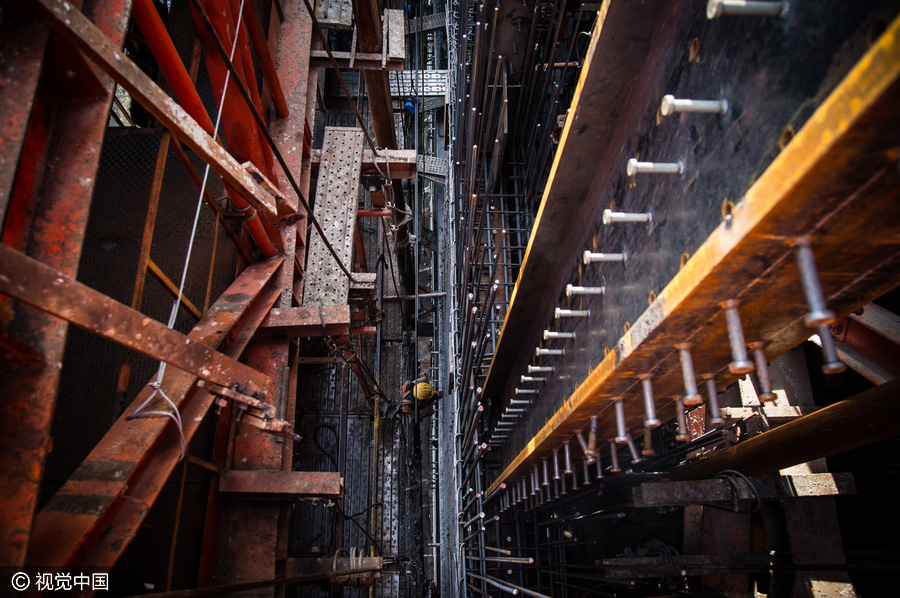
336,205
361,60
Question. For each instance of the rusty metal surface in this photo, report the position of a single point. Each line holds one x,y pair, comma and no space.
81,508
336,204
22,43
398,164
770,488
855,422
83,34
327,320
822,184
59,167
283,484
320,565
42,287
868,343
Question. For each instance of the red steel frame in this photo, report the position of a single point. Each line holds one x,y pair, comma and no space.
44,209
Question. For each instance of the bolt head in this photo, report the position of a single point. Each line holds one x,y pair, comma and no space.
683,437
667,106
821,317
569,290
607,215
740,367
833,367
714,9
690,400
631,167
651,423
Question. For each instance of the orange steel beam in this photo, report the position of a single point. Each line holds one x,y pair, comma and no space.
835,182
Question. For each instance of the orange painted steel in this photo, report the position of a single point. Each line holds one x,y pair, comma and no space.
836,182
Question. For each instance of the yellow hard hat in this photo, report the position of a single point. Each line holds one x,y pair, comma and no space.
423,391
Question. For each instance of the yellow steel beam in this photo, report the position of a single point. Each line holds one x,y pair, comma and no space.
837,181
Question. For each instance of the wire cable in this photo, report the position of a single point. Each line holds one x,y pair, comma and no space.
176,304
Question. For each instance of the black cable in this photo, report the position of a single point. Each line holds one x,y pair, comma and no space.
730,472
242,88
319,446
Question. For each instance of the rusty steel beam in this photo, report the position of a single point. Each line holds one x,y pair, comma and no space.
77,29
852,423
327,320
604,85
868,343
257,532
47,216
825,185
40,286
134,459
22,43
283,484
393,163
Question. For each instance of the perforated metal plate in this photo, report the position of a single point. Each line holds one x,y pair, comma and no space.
336,203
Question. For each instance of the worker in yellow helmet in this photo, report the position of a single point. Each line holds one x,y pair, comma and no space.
421,392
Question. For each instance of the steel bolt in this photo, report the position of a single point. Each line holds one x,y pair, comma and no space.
832,363
568,458
599,467
648,449
621,430
526,391
575,290
650,419
670,105
540,369
551,334
572,313
556,475
524,379
762,372
819,314
715,415
546,470
683,433
591,450
610,217
591,257
614,456
539,351
634,167
740,364
691,396
635,457
587,475
719,8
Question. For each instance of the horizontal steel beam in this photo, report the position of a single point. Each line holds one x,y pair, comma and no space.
393,163
328,320
42,287
775,487
283,484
